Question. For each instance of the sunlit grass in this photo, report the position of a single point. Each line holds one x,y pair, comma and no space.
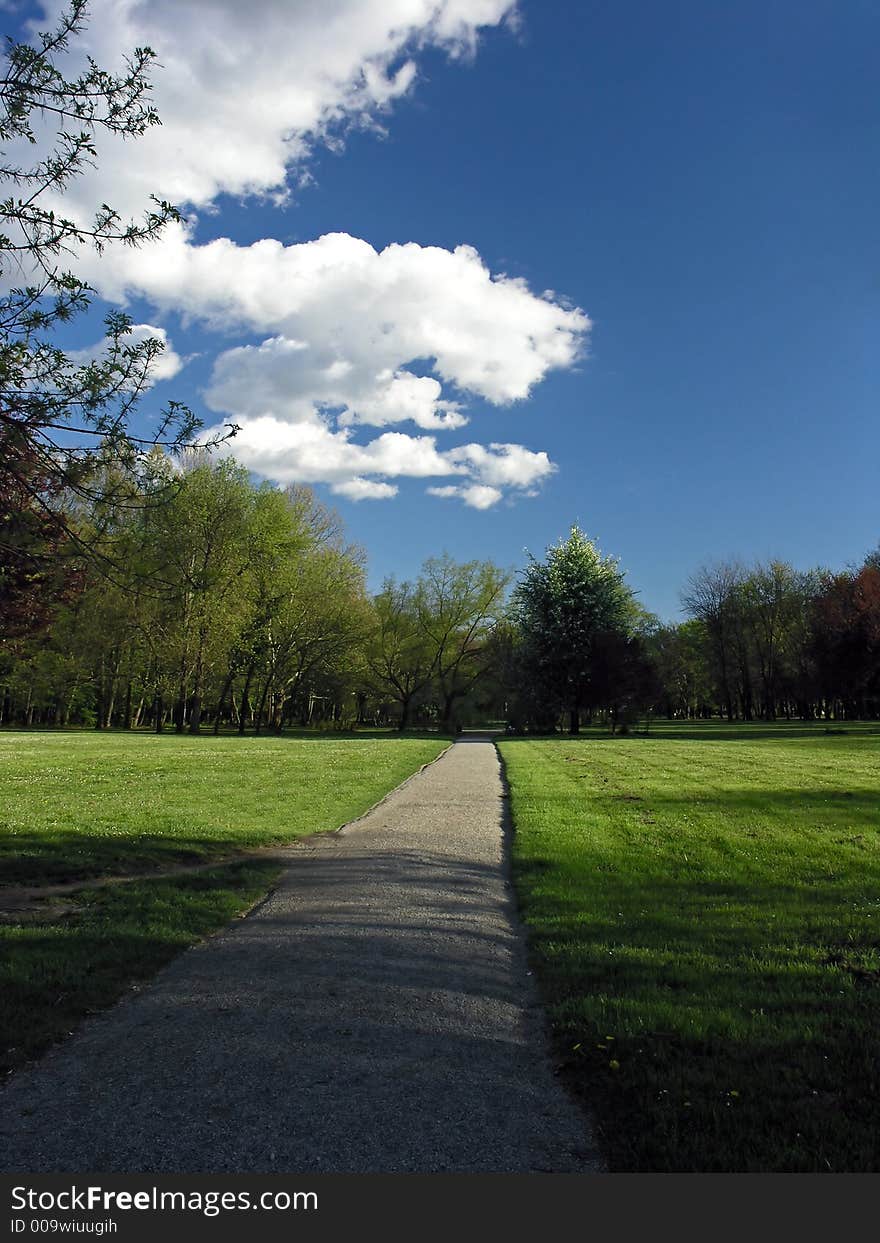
77,805
704,913
74,805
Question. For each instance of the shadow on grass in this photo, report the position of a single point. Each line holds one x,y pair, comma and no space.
366,734
378,992
32,860
824,809
54,974
713,1025
715,731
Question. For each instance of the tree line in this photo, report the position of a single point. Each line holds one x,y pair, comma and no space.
213,602
768,641
208,602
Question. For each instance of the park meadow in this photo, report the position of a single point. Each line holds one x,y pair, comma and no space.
701,901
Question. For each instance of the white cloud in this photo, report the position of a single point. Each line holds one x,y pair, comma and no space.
312,452
350,323
477,495
351,336
245,91
505,465
346,304
358,489
165,366
295,379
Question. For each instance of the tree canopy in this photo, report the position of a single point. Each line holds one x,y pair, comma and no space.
567,607
64,421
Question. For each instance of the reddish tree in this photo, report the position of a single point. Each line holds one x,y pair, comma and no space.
36,571
847,640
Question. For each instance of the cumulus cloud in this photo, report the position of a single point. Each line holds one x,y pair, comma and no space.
358,489
477,495
350,324
313,452
295,379
350,337
164,367
245,91
345,303
505,465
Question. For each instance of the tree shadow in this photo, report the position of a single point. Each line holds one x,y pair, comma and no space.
714,731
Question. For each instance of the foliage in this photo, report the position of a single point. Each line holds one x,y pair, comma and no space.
782,642
231,601
459,606
567,609
399,655
63,421
431,642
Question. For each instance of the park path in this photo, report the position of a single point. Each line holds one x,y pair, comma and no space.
374,1014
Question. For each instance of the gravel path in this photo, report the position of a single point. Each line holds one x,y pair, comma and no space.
374,1014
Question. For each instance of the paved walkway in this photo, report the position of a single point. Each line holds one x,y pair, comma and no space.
373,1015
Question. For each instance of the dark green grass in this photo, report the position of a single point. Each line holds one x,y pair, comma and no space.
75,806
52,973
704,917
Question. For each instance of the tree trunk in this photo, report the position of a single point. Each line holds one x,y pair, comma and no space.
108,719
195,710
180,706
242,716
221,701
448,724
99,708
261,706
574,721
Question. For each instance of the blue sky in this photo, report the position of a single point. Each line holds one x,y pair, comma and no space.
700,179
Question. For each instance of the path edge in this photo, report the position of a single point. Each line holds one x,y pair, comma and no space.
540,1012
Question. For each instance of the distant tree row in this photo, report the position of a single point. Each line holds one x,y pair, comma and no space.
769,641
205,601
762,642
212,602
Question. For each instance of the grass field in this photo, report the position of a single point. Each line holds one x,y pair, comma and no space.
79,805
704,915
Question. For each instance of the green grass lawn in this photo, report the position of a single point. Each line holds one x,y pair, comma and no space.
80,805
75,805
704,915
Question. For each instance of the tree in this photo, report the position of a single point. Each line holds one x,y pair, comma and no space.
400,657
458,605
681,658
319,614
35,577
711,596
846,642
61,419
563,606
